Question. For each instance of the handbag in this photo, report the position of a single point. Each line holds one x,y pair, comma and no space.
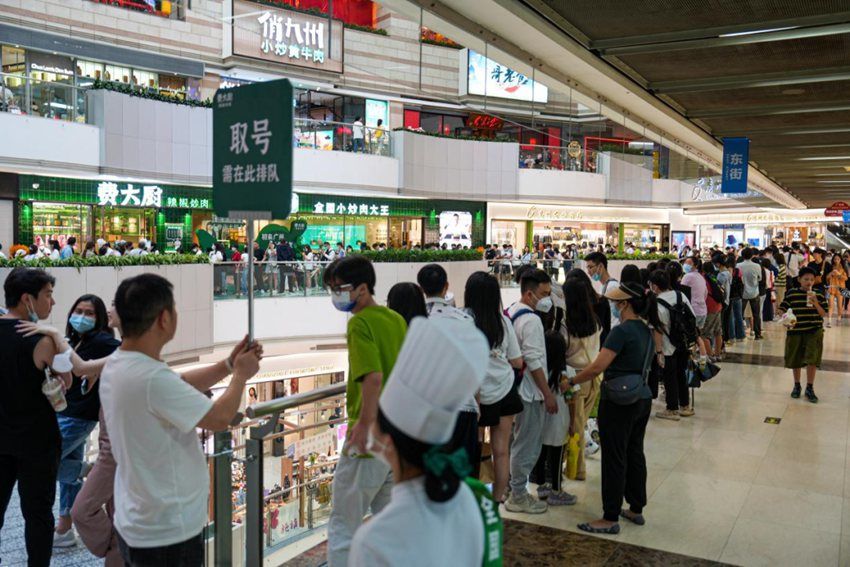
626,390
696,375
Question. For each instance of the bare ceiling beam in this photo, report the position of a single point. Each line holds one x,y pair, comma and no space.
690,34
774,110
729,40
779,78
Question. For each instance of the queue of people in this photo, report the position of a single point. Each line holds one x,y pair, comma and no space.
428,385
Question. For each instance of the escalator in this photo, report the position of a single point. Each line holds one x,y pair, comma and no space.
838,236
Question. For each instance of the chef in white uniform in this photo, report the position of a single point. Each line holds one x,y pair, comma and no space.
436,515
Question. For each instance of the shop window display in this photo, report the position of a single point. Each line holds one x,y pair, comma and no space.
56,221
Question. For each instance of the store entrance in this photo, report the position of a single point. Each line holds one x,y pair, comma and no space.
405,232
131,225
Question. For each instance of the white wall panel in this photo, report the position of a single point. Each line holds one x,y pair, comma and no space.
41,144
567,186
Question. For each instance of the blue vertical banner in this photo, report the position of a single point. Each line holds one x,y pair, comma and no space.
736,157
846,215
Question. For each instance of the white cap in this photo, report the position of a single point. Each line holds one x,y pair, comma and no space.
100,242
442,363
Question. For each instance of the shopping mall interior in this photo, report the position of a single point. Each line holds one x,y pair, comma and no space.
263,155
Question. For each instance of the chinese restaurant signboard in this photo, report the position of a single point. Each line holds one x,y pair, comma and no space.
285,36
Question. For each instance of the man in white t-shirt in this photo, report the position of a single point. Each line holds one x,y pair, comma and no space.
357,135
152,415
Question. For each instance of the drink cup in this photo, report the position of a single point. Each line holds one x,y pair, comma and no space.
52,389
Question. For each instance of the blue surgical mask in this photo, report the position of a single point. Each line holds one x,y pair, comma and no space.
615,311
342,300
31,314
596,277
688,268
81,323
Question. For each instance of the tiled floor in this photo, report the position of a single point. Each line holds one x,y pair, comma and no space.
723,485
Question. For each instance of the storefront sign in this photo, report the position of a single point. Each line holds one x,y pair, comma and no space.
846,217
728,226
277,232
736,159
836,209
711,189
340,208
252,149
113,193
521,211
553,213
486,77
319,444
286,36
484,122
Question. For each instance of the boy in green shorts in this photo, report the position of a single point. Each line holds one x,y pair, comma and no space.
374,335
804,341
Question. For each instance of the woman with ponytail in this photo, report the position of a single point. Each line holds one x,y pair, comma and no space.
437,514
625,355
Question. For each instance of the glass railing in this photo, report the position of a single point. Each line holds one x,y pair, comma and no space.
341,137
172,9
549,157
273,474
23,95
505,270
271,279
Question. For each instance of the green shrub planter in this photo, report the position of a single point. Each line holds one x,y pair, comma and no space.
108,261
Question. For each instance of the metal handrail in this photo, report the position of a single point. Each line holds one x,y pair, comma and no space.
272,407
334,123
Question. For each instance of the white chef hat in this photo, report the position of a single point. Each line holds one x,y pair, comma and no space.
441,365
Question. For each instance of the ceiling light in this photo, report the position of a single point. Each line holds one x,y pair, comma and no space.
752,32
836,182
847,168
823,158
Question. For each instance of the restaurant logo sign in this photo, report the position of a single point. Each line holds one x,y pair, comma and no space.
112,194
836,209
340,208
286,36
711,189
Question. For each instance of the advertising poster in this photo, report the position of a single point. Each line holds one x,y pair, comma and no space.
456,228
488,78
377,110
683,238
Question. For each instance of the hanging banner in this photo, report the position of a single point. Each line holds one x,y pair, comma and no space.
736,157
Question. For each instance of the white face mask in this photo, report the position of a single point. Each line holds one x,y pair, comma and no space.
544,305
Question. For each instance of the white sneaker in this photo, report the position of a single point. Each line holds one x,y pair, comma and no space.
68,539
525,504
591,448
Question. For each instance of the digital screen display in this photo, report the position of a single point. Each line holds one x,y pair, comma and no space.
456,228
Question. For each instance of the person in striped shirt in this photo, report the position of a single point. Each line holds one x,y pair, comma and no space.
804,342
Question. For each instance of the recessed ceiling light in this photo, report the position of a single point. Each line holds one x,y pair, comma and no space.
847,168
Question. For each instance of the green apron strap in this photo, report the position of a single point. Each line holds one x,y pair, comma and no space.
492,523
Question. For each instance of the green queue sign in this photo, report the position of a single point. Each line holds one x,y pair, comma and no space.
252,150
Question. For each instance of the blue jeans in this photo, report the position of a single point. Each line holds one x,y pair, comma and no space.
736,319
358,145
74,433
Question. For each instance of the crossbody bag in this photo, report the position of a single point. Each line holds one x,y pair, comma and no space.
626,390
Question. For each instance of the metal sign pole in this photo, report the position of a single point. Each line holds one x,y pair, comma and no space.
250,250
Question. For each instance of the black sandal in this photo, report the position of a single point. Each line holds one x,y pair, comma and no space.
613,530
636,519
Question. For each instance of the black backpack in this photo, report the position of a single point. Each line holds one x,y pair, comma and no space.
714,289
736,290
683,324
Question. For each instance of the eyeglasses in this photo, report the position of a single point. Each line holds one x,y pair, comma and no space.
340,288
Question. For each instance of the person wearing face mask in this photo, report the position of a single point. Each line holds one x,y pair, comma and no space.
30,443
537,397
437,515
597,269
88,335
374,337
627,352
